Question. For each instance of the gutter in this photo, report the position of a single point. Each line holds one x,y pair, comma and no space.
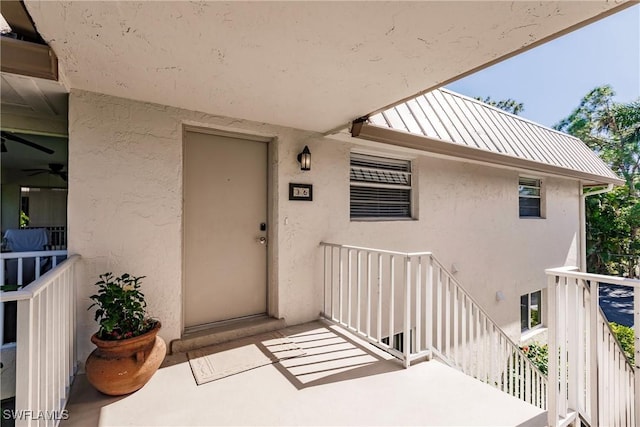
583,221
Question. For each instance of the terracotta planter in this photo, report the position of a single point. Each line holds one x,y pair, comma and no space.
124,366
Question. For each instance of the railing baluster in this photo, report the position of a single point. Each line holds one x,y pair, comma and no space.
359,289
418,313
325,280
20,277
379,338
572,343
463,330
595,344
581,349
552,313
456,345
333,305
368,294
447,315
406,342
392,303
37,267
349,286
439,316
636,328
429,306
340,284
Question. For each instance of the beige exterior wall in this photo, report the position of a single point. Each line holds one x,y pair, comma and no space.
125,214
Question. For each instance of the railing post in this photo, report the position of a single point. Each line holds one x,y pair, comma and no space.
349,286
324,288
573,334
428,309
593,356
418,302
24,360
636,328
552,406
333,305
340,283
407,312
379,307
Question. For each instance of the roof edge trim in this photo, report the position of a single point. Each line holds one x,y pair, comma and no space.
615,9
422,143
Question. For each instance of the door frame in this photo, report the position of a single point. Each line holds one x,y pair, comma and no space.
272,226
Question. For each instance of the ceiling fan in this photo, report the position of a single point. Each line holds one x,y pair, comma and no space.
8,136
54,169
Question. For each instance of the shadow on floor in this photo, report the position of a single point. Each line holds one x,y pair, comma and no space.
331,356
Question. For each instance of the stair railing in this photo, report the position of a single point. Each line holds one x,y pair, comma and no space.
409,305
594,380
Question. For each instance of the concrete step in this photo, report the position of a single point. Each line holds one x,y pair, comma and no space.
228,331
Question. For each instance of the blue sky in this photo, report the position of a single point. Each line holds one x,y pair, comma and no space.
550,80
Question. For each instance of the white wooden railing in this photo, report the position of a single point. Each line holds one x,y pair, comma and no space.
21,268
37,258
46,358
410,306
593,378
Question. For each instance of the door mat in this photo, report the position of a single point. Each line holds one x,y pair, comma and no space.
222,360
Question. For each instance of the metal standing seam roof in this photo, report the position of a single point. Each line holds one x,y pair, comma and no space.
450,117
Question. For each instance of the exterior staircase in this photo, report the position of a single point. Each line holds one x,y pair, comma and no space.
410,306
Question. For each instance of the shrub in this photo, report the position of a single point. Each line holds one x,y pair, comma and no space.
538,354
121,308
626,337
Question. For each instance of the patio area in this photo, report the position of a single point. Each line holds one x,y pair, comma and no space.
341,380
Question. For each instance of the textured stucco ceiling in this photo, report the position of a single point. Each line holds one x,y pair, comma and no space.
309,65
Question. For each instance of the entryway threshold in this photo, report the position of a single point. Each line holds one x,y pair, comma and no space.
224,332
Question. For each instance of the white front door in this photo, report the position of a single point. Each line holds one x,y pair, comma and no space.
225,219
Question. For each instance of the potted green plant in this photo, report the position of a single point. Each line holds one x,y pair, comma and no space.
128,349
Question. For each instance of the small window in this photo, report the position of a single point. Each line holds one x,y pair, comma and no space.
380,187
530,196
530,310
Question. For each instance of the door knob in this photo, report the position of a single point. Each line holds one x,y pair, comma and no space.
262,240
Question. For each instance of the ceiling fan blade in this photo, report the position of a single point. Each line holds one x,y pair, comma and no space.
64,176
35,170
37,173
11,137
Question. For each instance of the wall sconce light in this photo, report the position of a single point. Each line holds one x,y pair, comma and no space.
500,296
305,159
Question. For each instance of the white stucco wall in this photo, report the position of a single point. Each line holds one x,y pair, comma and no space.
125,204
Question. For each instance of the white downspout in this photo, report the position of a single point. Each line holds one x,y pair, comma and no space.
583,222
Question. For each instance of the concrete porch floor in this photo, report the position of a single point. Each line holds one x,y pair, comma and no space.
341,380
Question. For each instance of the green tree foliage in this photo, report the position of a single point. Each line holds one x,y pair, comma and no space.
538,354
625,336
613,219
508,105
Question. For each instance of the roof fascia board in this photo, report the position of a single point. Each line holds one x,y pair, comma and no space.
28,59
422,143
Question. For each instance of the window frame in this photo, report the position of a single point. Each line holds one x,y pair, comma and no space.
410,173
538,184
541,320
